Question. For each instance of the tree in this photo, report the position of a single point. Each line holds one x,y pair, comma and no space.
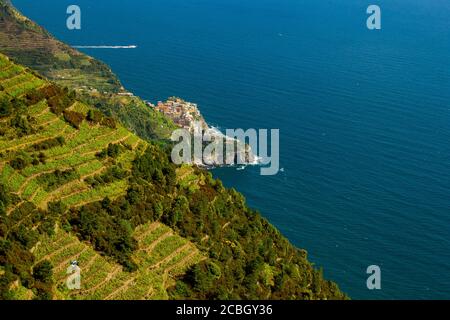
74,118
5,107
94,116
43,272
202,276
180,207
4,199
22,125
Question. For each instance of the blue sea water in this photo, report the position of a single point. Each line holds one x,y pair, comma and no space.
364,116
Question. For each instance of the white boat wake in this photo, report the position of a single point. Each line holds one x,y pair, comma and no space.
105,47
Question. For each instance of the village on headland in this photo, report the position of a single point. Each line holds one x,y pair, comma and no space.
186,115
183,113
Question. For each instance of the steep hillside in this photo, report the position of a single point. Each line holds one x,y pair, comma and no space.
42,130
93,81
75,184
162,255
56,149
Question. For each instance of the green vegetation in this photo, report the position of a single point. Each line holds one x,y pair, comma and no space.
113,173
42,274
51,181
74,118
48,144
109,234
75,184
159,258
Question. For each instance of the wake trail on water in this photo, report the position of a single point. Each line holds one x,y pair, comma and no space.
105,47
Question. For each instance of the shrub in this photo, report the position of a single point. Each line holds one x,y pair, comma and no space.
50,91
22,125
94,116
109,122
58,99
48,144
4,199
112,174
21,161
113,150
6,108
34,96
74,118
52,181
43,274
18,104
43,271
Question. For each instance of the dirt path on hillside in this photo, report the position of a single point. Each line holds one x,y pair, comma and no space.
170,256
161,238
152,227
54,253
109,277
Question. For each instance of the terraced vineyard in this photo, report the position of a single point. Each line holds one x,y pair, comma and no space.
53,146
79,151
17,80
162,256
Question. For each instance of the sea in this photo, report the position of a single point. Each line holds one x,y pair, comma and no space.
364,116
